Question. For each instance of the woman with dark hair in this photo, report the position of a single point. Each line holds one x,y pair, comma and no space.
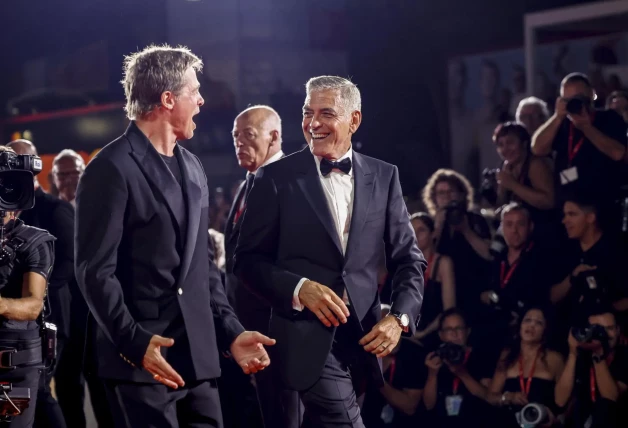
460,233
527,371
440,284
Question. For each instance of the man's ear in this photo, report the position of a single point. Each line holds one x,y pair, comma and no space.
356,120
168,99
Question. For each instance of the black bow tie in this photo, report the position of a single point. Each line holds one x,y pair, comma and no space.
327,166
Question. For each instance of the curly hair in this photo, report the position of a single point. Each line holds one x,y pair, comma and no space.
454,179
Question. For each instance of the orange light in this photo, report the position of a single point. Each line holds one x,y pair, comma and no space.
16,136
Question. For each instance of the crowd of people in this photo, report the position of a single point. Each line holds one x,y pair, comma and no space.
524,296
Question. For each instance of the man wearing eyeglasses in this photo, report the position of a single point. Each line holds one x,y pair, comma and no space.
595,376
454,394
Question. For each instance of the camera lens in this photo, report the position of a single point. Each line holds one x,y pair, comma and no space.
10,192
531,414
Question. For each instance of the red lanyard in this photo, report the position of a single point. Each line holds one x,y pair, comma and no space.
609,360
571,150
428,271
503,280
525,388
456,383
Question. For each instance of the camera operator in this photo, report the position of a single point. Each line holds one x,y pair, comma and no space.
462,235
596,371
527,372
591,266
25,263
532,112
457,392
519,274
589,144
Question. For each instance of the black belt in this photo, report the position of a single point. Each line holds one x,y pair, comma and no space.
12,358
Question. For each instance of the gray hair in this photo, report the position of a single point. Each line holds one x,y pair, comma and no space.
68,153
153,71
532,101
349,92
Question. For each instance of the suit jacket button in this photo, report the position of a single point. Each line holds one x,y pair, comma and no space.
180,291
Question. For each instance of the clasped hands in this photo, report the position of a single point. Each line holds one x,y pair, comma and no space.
331,310
247,350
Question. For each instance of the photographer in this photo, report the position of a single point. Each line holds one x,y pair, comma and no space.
455,394
519,274
596,371
589,144
527,372
462,235
25,263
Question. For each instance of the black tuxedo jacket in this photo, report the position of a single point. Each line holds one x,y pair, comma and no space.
139,273
288,233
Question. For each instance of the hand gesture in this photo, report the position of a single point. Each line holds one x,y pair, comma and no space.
517,398
582,268
433,362
561,108
324,303
156,364
383,337
248,351
505,177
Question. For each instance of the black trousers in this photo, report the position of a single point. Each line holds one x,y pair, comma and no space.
332,400
157,406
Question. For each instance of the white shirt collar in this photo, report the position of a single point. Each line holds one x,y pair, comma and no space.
273,158
348,155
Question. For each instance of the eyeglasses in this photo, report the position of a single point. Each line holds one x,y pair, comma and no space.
458,329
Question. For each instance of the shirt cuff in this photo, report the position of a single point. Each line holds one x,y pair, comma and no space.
296,303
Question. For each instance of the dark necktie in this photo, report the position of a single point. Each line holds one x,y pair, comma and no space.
242,202
327,166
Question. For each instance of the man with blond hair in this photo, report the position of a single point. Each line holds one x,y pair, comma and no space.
142,257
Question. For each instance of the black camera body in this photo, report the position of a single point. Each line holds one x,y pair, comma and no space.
577,103
488,188
589,333
17,188
13,401
455,212
451,352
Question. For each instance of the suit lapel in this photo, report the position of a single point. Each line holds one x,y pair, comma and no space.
362,192
310,184
156,172
192,191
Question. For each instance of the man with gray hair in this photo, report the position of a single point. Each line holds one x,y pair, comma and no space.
141,252
310,243
532,112
67,168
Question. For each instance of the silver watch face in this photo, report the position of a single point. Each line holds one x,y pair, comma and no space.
405,320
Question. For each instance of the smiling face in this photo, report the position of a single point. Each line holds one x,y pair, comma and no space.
327,126
185,106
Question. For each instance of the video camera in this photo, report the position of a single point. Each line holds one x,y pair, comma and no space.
13,401
17,189
450,352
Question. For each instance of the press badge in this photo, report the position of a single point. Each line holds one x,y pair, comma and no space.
568,175
453,403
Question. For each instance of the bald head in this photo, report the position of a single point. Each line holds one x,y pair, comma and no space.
23,147
256,136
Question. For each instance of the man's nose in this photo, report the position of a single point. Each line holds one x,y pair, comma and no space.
201,101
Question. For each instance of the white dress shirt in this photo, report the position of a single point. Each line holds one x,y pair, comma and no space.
338,190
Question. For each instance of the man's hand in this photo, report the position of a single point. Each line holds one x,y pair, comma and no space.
582,268
324,303
561,108
433,362
485,298
581,120
156,364
248,351
383,337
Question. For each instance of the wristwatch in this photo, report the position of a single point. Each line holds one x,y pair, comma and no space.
403,319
